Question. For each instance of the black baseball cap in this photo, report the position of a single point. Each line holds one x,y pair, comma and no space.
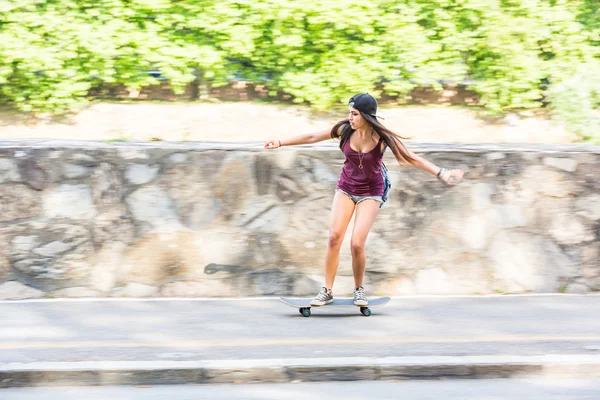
365,103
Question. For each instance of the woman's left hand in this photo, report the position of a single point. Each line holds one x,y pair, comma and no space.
452,176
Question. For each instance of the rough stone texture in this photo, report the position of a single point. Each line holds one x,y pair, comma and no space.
69,201
219,219
8,171
50,254
589,206
135,290
114,225
156,258
5,267
107,186
76,292
32,171
17,291
105,269
524,262
153,208
18,202
577,288
138,174
566,164
192,203
75,171
590,255
231,188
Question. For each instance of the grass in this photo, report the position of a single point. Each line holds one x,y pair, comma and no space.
117,140
562,289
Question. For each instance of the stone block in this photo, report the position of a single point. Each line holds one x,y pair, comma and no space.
5,267
588,206
32,173
53,252
151,205
8,171
18,202
564,163
481,196
509,216
139,174
69,201
159,257
177,158
76,292
71,171
577,288
432,281
107,186
135,290
525,262
13,290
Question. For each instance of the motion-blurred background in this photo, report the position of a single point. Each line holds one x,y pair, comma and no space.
165,69
152,249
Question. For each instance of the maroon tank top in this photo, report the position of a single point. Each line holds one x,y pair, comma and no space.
365,181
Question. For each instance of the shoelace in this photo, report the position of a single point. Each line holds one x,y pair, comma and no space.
323,294
359,294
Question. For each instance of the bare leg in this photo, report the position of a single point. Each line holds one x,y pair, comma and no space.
366,212
341,213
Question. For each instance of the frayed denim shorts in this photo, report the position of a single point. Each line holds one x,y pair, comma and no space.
358,199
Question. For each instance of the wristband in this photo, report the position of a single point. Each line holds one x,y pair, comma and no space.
441,171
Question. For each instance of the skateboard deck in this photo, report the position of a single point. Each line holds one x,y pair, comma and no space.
304,304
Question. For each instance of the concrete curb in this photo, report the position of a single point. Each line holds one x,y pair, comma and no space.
99,373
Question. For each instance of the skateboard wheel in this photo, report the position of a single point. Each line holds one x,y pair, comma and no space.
301,309
306,312
365,311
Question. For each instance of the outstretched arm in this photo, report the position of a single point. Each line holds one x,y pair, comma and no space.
448,176
308,138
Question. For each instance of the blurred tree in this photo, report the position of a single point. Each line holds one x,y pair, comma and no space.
516,54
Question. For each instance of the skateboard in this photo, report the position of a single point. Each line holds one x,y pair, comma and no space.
304,306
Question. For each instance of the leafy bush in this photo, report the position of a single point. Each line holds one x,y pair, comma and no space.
516,54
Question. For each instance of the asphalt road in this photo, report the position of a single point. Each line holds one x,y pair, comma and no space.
184,330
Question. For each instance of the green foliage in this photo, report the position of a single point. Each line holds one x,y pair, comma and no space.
575,101
516,54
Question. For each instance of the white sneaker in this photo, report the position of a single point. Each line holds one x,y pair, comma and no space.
323,297
360,299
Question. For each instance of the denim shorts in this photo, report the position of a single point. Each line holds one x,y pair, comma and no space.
358,199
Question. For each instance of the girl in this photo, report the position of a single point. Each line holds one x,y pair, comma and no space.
362,184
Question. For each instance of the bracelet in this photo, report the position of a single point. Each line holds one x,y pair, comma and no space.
279,143
441,171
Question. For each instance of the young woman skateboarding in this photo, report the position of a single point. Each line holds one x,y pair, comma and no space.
360,189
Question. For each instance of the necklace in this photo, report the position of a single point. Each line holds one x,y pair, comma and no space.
361,155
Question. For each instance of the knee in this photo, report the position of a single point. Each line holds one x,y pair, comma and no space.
335,239
357,246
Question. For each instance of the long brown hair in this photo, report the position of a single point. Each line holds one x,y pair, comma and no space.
391,139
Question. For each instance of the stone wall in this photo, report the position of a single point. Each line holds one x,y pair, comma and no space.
222,219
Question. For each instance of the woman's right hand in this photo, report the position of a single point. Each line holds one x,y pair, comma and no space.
272,144
452,176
